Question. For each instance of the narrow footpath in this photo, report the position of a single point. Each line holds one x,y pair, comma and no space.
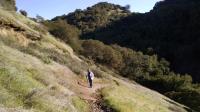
92,97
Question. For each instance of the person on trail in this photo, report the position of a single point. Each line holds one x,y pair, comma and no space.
90,78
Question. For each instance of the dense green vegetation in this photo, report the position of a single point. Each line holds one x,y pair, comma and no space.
64,31
170,25
8,4
147,70
170,30
94,17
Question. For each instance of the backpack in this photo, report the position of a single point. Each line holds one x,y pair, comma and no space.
92,75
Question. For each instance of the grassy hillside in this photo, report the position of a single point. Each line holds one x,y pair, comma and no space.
30,79
125,96
41,74
8,5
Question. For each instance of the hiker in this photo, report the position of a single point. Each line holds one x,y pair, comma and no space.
90,77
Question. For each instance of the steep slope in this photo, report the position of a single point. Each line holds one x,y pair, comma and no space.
126,96
31,82
8,5
41,74
171,30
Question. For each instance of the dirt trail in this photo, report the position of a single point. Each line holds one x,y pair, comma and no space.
92,96
80,87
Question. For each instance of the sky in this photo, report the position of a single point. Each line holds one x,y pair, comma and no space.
51,8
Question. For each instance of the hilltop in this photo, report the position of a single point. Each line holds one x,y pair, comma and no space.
39,73
97,16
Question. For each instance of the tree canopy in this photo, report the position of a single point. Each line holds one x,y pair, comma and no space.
170,30
92,18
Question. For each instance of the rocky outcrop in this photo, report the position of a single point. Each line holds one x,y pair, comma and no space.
12,26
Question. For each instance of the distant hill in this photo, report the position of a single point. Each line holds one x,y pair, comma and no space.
170,30
99,15
8,4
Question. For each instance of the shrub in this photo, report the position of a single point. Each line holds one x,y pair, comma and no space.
189,98
98,73
166,83
102,54
68,33
23,12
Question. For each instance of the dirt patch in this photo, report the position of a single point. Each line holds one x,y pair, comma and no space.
98,105
93,97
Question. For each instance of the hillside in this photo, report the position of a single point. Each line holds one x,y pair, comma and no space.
97,16
8,5
170,30
164,47
39,73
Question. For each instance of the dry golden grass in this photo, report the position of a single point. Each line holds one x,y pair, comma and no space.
38,85
8,36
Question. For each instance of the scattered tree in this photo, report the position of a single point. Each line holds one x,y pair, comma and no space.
39,18
23,12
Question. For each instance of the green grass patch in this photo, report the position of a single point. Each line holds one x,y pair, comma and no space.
45,105
18,83
81,105
9,99
124,99
115,98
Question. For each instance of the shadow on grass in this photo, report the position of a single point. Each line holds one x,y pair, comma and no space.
177,107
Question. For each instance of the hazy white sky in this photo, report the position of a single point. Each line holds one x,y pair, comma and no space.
51,8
